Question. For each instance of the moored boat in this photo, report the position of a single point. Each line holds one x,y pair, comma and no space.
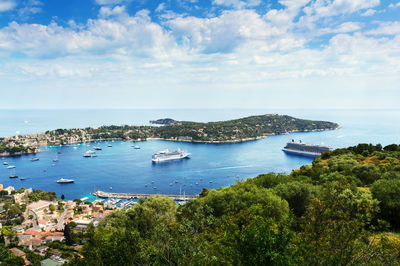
10,167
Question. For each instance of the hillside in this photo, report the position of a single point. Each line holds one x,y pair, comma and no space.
340,210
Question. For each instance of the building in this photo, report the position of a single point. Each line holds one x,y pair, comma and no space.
40,205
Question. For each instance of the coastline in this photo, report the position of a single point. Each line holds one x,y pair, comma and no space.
7,154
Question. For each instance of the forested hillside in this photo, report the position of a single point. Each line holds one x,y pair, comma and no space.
343,209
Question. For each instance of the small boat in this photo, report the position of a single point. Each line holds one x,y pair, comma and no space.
109,145
58,152
110,188
75,148
55,160
210,181
154,187
22,178
13,176
197,183
136,147
10,167
94,155
170,184
5,163
145,185
63,180
87,155
90,152
97,148
44,170
34,159
53,165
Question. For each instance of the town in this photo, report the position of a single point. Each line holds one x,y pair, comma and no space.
36,226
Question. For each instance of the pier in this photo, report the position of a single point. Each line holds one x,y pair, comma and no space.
102,194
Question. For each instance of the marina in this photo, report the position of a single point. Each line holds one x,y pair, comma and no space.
118,196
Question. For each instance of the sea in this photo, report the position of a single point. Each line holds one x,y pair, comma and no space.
121,168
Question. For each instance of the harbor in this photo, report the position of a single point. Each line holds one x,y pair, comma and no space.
115,195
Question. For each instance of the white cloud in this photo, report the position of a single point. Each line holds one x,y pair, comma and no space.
326,8
30,7
132,35
342,28
369,12
111,2
386,28
237,3
7,5
224,33
394,5
112,11
160,7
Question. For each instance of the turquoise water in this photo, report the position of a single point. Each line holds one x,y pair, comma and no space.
212,165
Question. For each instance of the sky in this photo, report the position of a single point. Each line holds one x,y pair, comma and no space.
78,54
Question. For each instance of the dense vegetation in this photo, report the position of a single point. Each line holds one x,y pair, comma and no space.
234,130
225,131
341,210
16,149
38,194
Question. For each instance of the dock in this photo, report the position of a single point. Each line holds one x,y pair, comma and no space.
102,194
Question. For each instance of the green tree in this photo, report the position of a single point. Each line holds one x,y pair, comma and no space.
333,232
387,192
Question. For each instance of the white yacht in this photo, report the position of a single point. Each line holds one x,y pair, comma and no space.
63,180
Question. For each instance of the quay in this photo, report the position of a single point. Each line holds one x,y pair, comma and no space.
102,194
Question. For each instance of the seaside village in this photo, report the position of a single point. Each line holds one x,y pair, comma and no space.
36,225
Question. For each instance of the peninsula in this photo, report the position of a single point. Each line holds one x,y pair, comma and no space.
238,130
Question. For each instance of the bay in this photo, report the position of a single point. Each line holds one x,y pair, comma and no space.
126,169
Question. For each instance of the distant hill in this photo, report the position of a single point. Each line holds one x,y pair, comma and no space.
164,121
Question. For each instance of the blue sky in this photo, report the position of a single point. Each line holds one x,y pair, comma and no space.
199,54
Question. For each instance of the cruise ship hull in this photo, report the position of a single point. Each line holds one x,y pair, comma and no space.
301,153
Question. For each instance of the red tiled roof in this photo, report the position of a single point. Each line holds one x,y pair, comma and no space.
17,252
42,221
31,232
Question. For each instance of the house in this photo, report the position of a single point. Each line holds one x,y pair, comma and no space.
42,223
17,252
40,205
32,243
42,250
54,238
82,224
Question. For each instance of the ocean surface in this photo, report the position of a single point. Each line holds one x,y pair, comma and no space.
121,168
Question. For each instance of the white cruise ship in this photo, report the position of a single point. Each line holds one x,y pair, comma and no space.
166,155
310,150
